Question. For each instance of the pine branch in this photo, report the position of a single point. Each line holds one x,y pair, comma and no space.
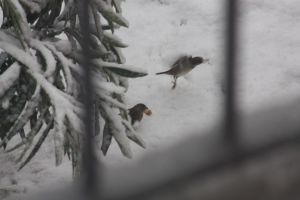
38,144
26,113
109,14
47,92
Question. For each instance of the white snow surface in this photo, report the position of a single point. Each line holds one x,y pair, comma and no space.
161,30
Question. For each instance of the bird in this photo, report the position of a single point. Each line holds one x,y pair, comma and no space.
136,115
182,66
137,111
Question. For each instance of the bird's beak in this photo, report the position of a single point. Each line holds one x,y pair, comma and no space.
148,112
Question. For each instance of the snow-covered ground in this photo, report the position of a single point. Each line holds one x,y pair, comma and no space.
159,31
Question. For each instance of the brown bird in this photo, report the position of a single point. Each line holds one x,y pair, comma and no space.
137,111
136,114
182,66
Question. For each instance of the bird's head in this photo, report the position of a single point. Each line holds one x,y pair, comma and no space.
142,107
198,60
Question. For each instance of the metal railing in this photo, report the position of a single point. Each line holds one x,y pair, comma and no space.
199,156
230,117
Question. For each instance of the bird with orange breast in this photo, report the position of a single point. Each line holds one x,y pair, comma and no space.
136,112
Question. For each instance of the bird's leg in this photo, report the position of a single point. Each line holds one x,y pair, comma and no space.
174,82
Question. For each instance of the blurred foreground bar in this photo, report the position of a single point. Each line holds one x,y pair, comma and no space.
264,164
231,70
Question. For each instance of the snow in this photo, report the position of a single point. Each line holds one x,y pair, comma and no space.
115,40
63,46
108,13
8,78
47,55
9,39
21,56
270,72
20,9
35,6
159,32
26,33
108,87
65,64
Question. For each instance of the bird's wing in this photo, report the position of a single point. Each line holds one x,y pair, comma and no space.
179,60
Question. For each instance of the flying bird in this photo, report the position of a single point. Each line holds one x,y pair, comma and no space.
182,66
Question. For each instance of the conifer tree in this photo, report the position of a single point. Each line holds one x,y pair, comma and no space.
41,77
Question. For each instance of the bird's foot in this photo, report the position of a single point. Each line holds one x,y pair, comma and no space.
174,82
174,85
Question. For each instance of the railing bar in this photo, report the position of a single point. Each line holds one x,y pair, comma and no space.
88,154
212,168
230,73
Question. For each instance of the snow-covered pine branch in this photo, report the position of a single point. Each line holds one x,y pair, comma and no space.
41,77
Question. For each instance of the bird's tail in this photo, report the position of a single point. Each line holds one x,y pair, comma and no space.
162,72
